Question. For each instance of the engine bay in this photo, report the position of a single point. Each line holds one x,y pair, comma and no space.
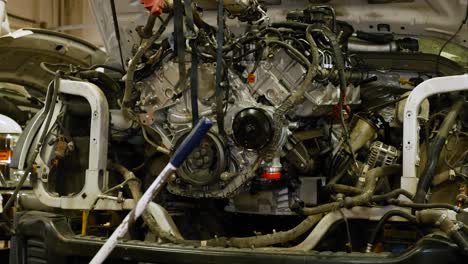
325,137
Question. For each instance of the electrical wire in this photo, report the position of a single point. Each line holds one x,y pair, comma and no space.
117,31
114,188
158,148
219,68
349,244
108,67
51,99
465,20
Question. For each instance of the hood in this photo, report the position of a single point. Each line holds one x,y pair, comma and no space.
25,49
418,18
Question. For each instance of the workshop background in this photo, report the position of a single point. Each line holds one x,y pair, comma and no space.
68,16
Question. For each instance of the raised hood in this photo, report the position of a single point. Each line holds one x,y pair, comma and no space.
418,18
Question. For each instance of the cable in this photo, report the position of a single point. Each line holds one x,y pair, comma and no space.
51,99
349,245
194,67
132,66
178,10
340,65
465,20
108,67
219,69
158,148
435,149
117,31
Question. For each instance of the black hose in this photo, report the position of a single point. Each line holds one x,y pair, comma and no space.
435,148
392,195
461,240
332,10
449,226
385,218
107,83
361,199
342,168
424,206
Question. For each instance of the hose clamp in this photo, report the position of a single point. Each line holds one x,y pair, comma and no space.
441,219
457,226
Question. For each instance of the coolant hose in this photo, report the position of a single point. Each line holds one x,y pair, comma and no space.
451,227
383,220
365,197
136,195
423,206
342,188
392,194
104,78
107,83
435,148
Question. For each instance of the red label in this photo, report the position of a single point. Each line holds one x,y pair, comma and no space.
271,175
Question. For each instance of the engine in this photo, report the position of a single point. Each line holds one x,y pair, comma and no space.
252,141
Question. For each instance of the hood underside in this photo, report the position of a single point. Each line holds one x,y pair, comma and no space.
418,18
25,49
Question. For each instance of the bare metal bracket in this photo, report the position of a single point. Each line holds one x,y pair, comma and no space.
411,128
96,172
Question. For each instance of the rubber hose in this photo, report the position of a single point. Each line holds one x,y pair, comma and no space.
107,83
136,195
341,188
424,206
385,218
450,227
361,199
393,194
435,148
462,241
